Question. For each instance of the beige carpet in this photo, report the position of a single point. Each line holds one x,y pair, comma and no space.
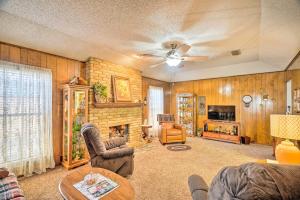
160,173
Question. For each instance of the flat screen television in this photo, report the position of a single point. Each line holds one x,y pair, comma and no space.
226,113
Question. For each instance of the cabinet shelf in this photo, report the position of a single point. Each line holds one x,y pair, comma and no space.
75,103
117,105
222,136
186,112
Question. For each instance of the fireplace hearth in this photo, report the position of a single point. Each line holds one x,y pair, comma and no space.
119,131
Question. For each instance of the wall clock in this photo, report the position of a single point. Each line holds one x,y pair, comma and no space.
247,99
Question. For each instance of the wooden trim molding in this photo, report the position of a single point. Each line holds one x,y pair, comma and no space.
117,105
292,61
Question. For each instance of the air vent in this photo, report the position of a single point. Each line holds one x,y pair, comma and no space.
236,52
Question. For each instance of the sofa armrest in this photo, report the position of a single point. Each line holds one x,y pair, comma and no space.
198,187
3,173
116,153
162,134
183,130
114,142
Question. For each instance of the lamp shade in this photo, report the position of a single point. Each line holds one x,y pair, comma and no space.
285,126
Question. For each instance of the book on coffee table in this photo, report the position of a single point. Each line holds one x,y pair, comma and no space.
101,187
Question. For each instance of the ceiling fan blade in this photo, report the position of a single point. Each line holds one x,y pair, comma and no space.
182,49
195,58
151,55
157,64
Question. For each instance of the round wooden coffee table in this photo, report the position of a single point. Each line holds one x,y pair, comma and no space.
124,192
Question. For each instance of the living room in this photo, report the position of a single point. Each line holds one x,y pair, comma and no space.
150,99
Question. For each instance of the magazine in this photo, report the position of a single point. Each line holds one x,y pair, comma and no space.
100,188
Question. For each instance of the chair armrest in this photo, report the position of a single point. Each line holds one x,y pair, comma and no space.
114,142
178,126
116,153
198,187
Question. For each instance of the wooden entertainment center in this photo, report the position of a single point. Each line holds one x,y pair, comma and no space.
227,131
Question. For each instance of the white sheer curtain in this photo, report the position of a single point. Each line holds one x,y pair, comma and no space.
25,118
156,106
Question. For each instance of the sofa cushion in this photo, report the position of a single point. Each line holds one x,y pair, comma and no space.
256,181
173,131
167,125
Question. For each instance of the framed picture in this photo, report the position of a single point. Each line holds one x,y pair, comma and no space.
201,105
297,100
121,86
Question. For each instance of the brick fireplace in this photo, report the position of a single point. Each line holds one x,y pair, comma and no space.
105,118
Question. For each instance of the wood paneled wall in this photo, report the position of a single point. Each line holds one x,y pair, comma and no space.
167,93
255,120
63,70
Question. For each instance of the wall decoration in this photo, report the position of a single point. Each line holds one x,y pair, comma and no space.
100,92
265,98
202,105
297,101
247,99
121,86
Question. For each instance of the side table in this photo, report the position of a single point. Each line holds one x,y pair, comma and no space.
145,132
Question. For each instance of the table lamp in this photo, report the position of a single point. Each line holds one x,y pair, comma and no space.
288,128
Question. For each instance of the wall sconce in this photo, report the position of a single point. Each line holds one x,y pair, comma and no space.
265,97
145,101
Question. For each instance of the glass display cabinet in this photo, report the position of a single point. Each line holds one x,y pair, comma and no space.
186,112
75,113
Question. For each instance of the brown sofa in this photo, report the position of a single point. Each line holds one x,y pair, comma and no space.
112,154
171,133
249,181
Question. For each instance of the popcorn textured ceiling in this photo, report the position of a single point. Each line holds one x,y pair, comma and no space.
266,31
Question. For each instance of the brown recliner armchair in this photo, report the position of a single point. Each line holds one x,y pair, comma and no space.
112,154
169,132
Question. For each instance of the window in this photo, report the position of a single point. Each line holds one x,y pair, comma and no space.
25,118
156,106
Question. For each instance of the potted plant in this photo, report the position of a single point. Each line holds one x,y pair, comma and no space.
100,92
199,132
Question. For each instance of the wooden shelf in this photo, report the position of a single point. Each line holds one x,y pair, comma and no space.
221,122
117,105
76,163
222,137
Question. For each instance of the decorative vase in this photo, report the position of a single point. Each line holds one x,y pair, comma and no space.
100,99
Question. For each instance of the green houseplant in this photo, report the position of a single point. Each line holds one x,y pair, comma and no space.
100,92
199,132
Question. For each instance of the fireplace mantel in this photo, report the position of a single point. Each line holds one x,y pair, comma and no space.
117,105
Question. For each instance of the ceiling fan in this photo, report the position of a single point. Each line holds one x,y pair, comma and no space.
176,55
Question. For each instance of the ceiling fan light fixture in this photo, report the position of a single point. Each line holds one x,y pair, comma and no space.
173,62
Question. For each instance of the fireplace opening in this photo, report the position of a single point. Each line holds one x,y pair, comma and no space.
119,131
